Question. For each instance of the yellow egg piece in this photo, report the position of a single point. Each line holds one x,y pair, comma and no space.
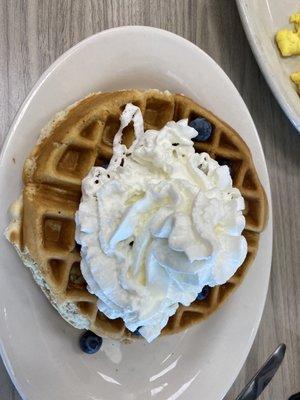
295,19
288,41
295,77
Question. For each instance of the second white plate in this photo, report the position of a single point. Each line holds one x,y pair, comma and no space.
261,20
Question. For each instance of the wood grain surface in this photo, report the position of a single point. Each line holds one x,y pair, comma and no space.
34,33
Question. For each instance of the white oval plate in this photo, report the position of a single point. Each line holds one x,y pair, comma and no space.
39,349
261,20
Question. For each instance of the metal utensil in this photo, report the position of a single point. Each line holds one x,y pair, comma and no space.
263,376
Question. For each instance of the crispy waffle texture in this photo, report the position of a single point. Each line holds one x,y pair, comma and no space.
42,226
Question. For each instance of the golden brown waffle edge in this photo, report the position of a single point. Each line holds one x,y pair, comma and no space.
42,226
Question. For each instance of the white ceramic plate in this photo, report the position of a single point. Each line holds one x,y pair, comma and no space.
39,349
261,20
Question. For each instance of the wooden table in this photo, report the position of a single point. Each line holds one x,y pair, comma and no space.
34,33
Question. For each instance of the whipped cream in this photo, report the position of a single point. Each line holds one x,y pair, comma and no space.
157,225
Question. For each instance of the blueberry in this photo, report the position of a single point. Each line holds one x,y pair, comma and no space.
90,343
137,332
203,127
204,293
225,161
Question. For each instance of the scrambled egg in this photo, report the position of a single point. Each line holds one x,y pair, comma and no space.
295,77
288,41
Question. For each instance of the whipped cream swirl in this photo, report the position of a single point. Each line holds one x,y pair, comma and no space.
157,225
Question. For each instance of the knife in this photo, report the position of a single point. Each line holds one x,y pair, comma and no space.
263,376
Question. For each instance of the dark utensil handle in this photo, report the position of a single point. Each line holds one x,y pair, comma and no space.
261,379
295,396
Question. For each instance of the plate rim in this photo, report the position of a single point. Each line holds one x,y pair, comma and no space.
22,110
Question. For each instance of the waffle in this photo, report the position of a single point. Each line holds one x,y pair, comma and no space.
42,225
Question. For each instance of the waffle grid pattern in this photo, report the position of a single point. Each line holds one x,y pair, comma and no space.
52,176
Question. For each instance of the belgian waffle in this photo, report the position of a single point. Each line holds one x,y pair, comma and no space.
42,225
